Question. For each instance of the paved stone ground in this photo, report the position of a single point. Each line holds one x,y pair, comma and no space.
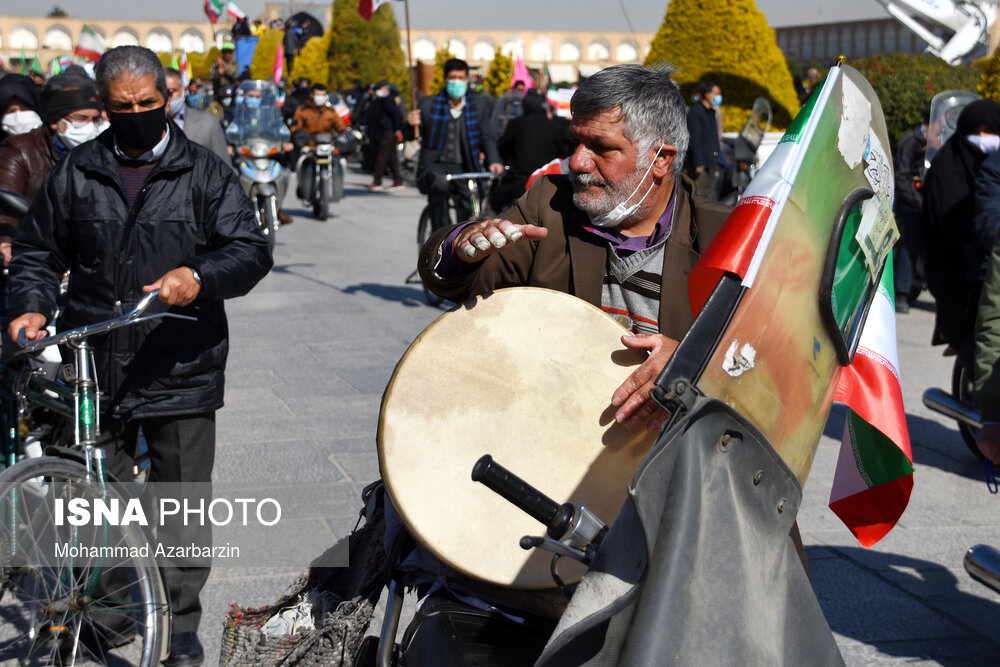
315,344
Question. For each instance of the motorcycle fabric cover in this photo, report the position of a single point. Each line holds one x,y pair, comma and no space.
698,568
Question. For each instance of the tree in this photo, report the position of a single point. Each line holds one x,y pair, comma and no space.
366,50
906,82
730,43
262,65
498,78
312,63
442,56
57,12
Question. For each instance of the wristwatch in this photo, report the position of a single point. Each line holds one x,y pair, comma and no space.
197,276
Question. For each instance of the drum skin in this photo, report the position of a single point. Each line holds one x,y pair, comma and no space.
525,375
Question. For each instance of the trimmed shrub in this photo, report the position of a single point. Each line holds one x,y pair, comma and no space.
906,82
366,50
989,77
262,65
500,74
442,56
200,64
312,62
730,43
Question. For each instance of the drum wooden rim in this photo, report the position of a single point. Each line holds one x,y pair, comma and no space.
444,387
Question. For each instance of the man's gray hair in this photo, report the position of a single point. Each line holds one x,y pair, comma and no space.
649,101
131,61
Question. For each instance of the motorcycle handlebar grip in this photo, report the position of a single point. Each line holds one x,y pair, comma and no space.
556,517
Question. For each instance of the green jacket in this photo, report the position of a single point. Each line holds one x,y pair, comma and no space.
987,365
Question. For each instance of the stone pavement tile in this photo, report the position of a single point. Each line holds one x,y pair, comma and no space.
261,463
345,418
955,593
367,379
261,402
247,376
901,614
950,652
313,500
299,385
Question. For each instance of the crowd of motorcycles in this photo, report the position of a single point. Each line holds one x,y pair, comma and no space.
259,135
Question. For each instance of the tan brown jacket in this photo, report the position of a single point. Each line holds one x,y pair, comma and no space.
572,260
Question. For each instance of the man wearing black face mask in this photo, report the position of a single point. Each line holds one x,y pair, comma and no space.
138,209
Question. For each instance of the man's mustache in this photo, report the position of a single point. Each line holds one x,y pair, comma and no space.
583,179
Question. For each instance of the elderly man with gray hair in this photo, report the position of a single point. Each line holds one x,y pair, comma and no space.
622,230
142,208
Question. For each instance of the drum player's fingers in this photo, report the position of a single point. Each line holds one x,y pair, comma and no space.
641,413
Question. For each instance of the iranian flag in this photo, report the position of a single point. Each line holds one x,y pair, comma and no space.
235,11
367,7
874,474
214,9
91,45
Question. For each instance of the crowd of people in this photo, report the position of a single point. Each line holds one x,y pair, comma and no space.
626,201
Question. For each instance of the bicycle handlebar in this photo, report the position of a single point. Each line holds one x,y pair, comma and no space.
474,175
132,317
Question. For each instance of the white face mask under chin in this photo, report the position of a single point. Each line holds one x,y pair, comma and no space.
615,216
19,122
77,133
987,143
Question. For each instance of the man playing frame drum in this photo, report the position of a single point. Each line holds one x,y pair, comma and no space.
621,231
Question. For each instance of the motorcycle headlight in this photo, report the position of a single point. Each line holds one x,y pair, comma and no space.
262,164
324,150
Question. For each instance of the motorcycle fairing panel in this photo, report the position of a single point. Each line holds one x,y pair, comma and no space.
714,514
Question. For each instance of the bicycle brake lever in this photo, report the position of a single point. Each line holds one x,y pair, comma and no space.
529,542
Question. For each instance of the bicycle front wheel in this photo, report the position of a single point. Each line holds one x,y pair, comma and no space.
74,594
423,231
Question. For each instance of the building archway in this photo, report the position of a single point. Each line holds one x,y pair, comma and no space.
125,37
57,38
513,46
569,51
424,50
456,46
598,51
541,49
483,50
192,41
23,37
627,51
159,40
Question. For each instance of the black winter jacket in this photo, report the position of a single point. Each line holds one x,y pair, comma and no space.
190,212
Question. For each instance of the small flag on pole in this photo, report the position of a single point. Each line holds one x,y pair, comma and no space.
279,63
235,11
521,73
213,9
91,45
367,7
182,67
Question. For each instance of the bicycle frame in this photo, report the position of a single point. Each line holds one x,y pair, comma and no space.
78,400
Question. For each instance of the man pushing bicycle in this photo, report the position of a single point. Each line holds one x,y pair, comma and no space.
137,209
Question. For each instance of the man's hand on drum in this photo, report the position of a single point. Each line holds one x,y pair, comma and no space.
479,240
632,399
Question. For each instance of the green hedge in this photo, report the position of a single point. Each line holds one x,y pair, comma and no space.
906,82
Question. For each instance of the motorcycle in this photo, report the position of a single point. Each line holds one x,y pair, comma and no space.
960,405
744,151
258,137
321,172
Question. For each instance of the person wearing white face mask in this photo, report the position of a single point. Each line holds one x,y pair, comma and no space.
621,231
199,126
20,106
71,113
955,251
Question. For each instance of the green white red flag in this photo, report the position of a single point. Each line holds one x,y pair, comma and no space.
91,45
874,475
214,9
367,7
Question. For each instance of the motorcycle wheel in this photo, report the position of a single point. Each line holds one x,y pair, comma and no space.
963,389
321,200
268,213
423,231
